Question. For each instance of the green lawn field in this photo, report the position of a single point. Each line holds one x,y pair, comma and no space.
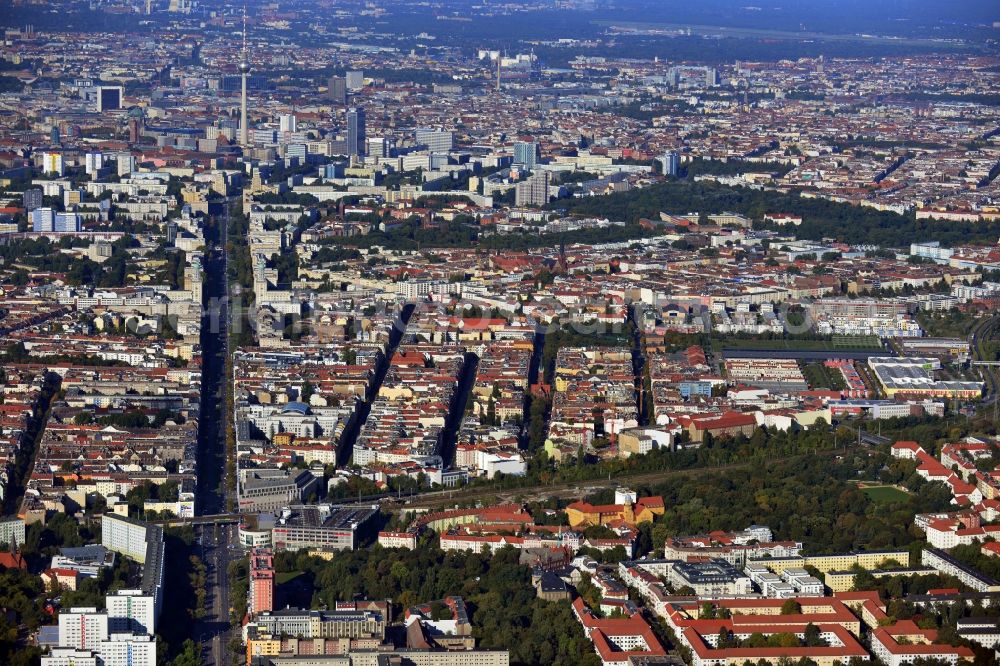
286,576
885,494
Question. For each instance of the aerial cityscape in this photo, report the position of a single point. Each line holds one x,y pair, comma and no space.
549,332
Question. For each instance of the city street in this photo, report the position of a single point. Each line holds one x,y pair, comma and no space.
217,552
218,543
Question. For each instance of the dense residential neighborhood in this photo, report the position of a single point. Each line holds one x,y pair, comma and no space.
580,333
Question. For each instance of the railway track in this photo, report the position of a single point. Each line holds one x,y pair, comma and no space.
576,489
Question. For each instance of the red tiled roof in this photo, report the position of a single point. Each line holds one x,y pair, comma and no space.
13,561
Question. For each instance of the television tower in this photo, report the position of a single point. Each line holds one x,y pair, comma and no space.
244,72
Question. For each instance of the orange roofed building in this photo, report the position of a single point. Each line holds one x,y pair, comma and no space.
644,510
904,642
618,641
12,561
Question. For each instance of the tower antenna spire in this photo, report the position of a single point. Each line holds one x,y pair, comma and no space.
244,71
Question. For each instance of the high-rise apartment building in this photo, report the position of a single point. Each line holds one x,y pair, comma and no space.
261,591
356,131
32,199
82,628
67,223
72,196
117,650
53,163
47,220
193,281
93,162
12,531
533,191
336,90
287,123
126,164
124,535
671,163
355,80
526,154
128,650
377,146
124,634
131,611
43,220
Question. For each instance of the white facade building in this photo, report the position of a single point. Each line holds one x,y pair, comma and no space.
125,536
82,628
11,529
131,611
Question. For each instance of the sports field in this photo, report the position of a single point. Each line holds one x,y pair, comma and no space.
885,494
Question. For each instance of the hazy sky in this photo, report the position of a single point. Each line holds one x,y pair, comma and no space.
964,10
